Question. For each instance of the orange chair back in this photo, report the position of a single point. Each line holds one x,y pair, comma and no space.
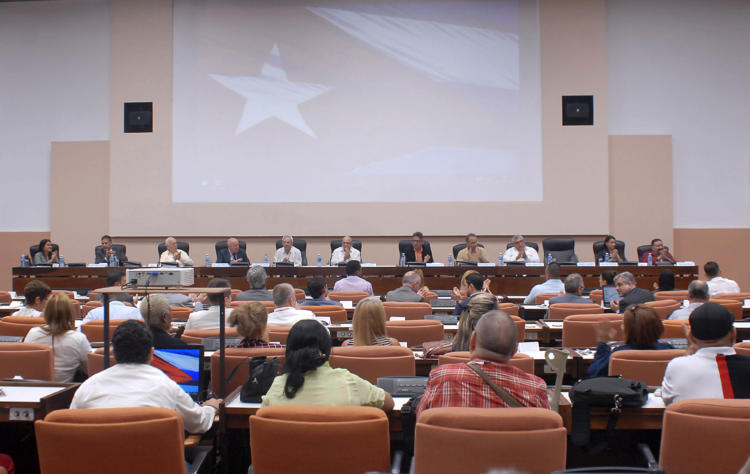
234,294
83,441
71,294
371,362
596,296
278,333
415,332
648,366
732,305
675,328
580,330
95,361
359,434
19,326
542,297
353,296
677,295
560,311
299,294
94,330
76,309
239,356
180,312
268,304
520,327
31,361
336,313
489,438
743,348
741,297
91,304
5,297
407,310
196,336
523,361
664,307
509,308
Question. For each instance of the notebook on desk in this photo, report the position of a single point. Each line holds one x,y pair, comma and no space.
184,365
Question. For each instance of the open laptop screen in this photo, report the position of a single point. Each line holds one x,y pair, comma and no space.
183,365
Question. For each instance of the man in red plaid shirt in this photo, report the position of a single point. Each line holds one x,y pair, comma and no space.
492,345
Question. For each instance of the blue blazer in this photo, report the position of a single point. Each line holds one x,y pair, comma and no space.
225,257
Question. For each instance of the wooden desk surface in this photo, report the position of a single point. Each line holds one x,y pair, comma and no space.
40,397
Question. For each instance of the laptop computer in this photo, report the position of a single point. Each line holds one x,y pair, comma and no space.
609,294
184,365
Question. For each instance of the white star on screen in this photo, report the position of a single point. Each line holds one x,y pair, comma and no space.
271,94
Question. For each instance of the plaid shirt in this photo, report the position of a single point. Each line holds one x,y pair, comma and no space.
456,385
256,343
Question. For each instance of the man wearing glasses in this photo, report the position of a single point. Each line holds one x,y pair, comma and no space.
631,294
520,252
420,250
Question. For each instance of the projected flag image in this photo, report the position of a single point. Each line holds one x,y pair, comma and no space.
180,365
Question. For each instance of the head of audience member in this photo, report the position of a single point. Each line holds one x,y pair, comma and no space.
106,243
474,283
411,280
574,284
317,287
353,267
346,243
641,326
477,307
463,284
471,242
132,343
233,245
250,320
284,295
59,314
156,312
171,244
307,348
657,246
607,278
495,337
610,243
420,274
666,280
36,293
519,242
552,271
712,270
368,321
217,298
287,242
712,325
624,283
256,278
698,291
115,278
45,246
417,240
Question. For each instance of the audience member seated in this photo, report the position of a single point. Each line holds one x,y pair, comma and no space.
353,280
256,277
117,310
318,289
665,282
308,379
472,253
467,323
573,291
157,315
368,324
610,249
520,252
6,465
419,251
287,310
116,278
629,293
45,255
103,252
175,255
209,318
409,292
288,253
697,295
474,286
712,369
70,348
461,292
250,319
36,293
345,253
133,382
658,253
717,285
607,283
233,253
492,344
641,329
552,285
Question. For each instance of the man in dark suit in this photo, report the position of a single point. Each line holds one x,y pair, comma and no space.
156,313
573,291
420,250
409,292
631,294
233,253
256,277
105,250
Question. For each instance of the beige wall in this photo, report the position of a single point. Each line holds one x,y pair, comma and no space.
719,245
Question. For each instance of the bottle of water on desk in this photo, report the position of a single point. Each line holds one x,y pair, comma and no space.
650,259
24,262
208,260
116,260
549,258
500,259
62,261
606,256
450,260
265,259
402,261
320,261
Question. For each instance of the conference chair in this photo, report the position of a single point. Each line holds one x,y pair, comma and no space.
741,297
35,248
562,250
299,294
407,310
489,439
533,245
509,308
559,311
222,245
233,294
68,293
340,439
88,306
693,428
180,313
619,245
520,327
239,357
91,441
353,296
268,304
95,361
664,307
415,332
94,330
675,328
196,336
336,243
732,305
596,296
336,313
184,246
458,247
301,245
5,297
648,366
278,333
30,361
523,361
677,295
542,297
579,330
645,249
371,362
742,348
76,309
19,326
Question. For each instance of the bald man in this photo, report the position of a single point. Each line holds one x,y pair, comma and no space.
492,344
346,252
233,253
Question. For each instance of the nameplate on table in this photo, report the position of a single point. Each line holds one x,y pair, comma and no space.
607,264
684,264
96,265
435,264
220,265
485,264
261,265
534,264
369,264
642,264
585,264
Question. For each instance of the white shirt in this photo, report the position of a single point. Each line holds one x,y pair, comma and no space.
720,286
511,255
684,313
294,256
117,310
206,319
141,385
71,351
694,376
287,316
27,311
553,285
184,261
338,256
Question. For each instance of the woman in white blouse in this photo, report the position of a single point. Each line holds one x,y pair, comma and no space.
70,347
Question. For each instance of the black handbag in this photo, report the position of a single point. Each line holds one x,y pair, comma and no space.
262,372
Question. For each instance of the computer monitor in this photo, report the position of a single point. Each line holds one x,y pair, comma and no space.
184,365
609,294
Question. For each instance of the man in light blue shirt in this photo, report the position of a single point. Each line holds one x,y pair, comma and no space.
697,295
117,310
552,285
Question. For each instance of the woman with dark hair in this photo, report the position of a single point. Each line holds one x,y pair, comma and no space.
641,329
308,379
250,319
478,305
666,281
45,255
610,248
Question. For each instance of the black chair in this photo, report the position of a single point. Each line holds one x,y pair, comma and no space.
357,244
34,249
299,244
184,246
533,245
458,247
619,245
222,244
405,245
562,249
119,249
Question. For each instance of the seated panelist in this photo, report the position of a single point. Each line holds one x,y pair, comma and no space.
420,250
45,255
346,252
520,252
175,255
288,253
233,253
103,252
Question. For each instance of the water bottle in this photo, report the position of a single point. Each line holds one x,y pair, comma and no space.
650,259
62,261
402,261
24,262
606,256
450,260
208,260
320,261
116,260
265,259
549,258
500,259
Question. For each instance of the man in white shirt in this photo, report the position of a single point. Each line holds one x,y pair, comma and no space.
716,284
175,255
345,253
36,293
287,310
520,252
117,310
132,382
697,295
552,285
288,253
209,318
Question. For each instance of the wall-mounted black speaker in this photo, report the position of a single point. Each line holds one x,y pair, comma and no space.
578,110
138,117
